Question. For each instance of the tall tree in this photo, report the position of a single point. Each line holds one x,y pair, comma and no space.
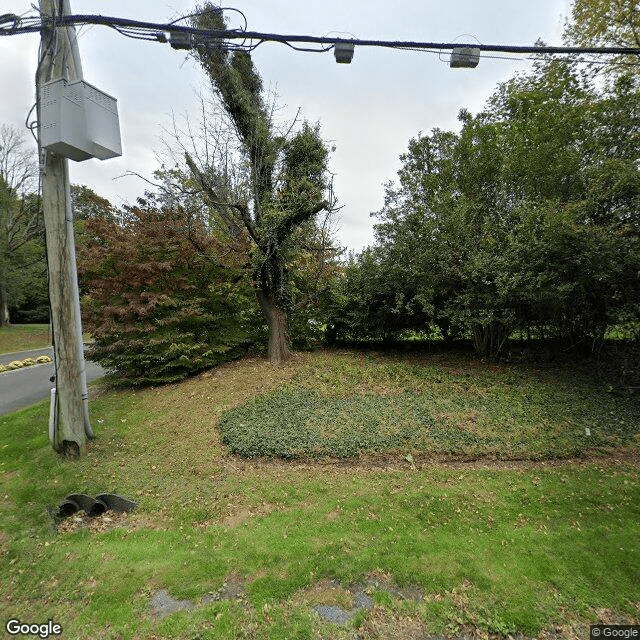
20,216
288,179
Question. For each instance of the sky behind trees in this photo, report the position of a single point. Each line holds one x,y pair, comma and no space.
368,110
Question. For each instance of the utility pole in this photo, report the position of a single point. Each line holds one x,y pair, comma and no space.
59,58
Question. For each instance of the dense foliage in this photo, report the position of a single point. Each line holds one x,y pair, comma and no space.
609,23
525,221
163,298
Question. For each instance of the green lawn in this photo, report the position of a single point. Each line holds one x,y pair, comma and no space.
23,337
439,545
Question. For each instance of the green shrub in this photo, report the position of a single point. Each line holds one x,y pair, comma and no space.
292,423
163,299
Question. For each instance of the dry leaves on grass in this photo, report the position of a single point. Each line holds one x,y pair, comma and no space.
326,592
238,517
381,624
98,524
108,521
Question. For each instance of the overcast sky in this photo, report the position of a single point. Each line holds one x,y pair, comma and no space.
368,110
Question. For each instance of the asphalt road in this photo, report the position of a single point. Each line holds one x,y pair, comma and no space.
5,358
23,387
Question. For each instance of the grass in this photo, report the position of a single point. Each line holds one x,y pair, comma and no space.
494,545
23,337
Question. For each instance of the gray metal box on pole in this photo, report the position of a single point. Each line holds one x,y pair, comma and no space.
79,121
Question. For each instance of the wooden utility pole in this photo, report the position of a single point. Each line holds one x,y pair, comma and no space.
59,59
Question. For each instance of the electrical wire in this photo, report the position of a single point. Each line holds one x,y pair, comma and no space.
33,125
213,10
530,58
307,49
10,24
10,17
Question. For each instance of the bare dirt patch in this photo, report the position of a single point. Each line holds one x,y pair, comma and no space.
422,462
606,616
237,518
232,589
338,605
384,582
327,592
108,521
4,544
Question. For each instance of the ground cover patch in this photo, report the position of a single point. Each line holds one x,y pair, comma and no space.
357,404
295,423
249,547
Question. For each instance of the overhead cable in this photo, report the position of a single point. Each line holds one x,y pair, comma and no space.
192,37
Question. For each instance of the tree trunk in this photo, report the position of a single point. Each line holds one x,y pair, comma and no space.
278,321
490,338
4,308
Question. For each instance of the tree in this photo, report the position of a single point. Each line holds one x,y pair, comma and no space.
28,282
287,180
86,203
524,221
20,219
613,23
163,298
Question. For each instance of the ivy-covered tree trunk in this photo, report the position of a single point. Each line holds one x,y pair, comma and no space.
286,179
278,349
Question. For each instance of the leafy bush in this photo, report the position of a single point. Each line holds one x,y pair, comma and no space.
163,299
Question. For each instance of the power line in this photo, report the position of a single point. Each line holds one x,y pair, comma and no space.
186,37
